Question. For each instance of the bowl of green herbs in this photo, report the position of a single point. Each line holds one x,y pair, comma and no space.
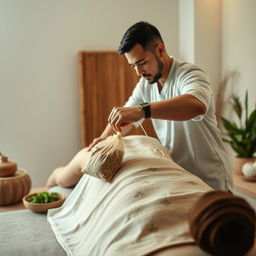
43,201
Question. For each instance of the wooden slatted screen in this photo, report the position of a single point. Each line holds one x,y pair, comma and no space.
106,80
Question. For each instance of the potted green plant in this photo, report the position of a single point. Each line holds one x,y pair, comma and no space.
241,136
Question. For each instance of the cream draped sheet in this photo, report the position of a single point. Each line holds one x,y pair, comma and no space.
144,208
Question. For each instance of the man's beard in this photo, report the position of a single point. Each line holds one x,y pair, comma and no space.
159,74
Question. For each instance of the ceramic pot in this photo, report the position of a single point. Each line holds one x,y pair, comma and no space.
7,169
13,188
239,162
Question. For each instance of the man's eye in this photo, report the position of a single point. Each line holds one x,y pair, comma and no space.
143,63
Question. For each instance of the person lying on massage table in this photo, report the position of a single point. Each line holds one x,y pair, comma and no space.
167,193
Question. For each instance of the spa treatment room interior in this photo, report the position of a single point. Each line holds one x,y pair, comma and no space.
128,128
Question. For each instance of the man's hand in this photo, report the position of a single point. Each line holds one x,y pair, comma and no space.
122,116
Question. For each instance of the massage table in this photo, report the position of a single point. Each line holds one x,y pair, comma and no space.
167,188
25,233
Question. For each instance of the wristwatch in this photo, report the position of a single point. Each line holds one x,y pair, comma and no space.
146,107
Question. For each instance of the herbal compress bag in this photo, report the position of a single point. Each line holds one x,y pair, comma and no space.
106,158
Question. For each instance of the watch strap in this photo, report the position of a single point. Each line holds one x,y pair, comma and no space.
146,107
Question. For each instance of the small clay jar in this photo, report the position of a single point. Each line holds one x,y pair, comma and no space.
7,168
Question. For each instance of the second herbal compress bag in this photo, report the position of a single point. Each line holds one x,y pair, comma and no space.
106,158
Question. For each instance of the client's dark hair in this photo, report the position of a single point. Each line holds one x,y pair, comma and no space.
141,33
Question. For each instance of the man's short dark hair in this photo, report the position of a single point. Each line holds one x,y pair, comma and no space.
141,33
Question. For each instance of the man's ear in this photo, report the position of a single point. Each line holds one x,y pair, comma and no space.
160,49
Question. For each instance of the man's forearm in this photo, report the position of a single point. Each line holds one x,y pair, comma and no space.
180,108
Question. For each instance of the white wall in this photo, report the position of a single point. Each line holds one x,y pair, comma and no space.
200,35
187,30
239,45
208,38
39,97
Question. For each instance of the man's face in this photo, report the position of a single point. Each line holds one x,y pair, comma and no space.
145,63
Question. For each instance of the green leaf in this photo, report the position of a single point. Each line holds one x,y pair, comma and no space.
229,126
246,105
237,106
251,122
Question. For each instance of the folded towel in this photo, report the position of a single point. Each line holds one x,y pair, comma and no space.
222,224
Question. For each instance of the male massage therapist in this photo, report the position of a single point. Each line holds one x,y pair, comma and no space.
177,96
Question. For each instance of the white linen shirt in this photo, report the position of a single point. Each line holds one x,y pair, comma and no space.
194,144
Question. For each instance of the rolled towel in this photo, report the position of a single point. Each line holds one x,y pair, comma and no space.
222,224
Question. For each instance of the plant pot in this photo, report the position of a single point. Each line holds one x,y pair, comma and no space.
239,162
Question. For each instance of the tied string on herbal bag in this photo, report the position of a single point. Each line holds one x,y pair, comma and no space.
157,151
109,145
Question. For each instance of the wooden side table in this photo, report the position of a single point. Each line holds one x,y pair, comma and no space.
20,206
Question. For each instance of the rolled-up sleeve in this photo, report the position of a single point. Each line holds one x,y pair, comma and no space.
195,82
